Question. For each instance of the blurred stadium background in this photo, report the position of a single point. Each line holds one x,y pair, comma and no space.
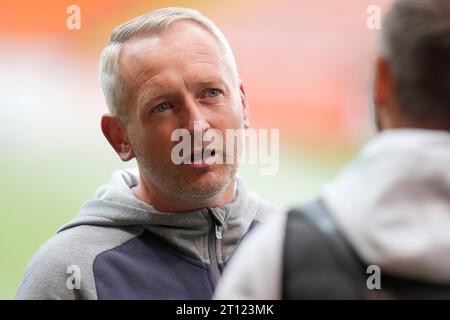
306,66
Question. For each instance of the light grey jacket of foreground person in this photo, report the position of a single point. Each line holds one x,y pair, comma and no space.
392,204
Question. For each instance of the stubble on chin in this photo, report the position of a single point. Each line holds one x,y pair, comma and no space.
198,188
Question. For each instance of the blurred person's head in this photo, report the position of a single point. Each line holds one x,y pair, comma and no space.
163,71
412,81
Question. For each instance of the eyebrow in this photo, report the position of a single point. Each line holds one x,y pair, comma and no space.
212,82
149,94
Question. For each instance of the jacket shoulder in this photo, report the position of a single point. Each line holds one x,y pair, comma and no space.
265,209
62,267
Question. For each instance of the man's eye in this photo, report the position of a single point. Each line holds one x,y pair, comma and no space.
161,107
212,93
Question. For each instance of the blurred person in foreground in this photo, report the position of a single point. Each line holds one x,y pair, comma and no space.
381,228
163,230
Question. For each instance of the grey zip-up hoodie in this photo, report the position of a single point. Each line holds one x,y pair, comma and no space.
121,248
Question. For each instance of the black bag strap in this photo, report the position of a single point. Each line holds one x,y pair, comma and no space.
330,252
316,253
319,215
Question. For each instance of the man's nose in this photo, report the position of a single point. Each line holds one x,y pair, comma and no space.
195,120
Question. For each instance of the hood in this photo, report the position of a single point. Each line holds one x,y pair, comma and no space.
393,203
115,205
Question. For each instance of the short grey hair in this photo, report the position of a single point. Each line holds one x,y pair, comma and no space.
154,22
415,41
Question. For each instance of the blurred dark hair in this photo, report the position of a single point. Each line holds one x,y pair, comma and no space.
416,44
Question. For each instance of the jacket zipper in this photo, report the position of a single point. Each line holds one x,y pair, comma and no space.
215,233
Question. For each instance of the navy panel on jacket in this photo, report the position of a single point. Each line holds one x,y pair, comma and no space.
147,267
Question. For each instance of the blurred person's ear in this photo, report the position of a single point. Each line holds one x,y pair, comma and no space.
244,104
383,92
117,137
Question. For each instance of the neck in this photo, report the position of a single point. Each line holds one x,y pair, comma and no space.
164,202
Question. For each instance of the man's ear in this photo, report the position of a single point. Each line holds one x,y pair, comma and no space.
383,85
117,137
244,103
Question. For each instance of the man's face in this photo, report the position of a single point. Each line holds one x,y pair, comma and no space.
176,79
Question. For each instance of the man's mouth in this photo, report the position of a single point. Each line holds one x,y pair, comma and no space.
201,158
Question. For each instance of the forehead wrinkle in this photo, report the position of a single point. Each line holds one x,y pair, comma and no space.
177,69
174,53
